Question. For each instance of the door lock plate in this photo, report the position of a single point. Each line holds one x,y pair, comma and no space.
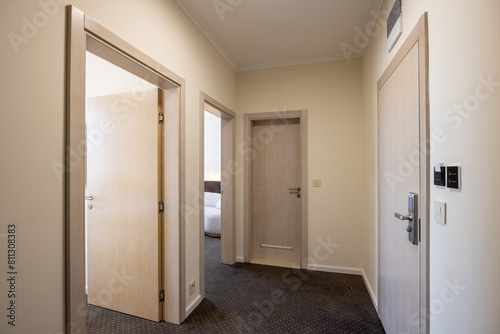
413,223
412,218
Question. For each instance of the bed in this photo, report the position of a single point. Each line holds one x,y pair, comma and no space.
212,208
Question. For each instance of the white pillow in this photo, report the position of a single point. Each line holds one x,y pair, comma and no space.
211,199
218,204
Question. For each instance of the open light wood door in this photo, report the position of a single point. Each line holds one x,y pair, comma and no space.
124,272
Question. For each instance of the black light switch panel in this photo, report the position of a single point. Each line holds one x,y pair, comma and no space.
440,177
453,177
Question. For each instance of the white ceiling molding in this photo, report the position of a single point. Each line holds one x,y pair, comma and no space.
292,62
197,22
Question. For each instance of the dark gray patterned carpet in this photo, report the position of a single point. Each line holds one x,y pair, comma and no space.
249,298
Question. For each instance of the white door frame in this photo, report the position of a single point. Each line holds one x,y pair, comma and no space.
248,156
228,175
419,35
85,34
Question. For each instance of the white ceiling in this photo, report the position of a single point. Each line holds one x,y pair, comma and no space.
255,34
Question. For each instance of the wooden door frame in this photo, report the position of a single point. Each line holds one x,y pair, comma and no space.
84,34
247,182
420,35
228,175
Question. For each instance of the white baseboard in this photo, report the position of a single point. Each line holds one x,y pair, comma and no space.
193,305
329,269
370,291
240,259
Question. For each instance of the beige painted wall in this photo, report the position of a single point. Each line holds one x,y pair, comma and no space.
331,93
463,47
32,134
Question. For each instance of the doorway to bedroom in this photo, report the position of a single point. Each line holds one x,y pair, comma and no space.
107,138
212,181
213,190
217,186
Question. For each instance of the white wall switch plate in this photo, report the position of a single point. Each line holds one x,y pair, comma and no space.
440,212
316,182
192,287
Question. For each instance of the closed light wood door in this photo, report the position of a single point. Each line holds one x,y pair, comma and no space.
275,209
398,174
123,229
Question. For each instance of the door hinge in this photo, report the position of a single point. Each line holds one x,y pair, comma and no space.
161,207
222,188
162,295
161,117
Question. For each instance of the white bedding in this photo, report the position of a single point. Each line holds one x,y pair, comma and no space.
212,220
212,213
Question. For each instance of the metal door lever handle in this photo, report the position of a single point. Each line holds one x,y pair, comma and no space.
402,217
89,198
294,191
